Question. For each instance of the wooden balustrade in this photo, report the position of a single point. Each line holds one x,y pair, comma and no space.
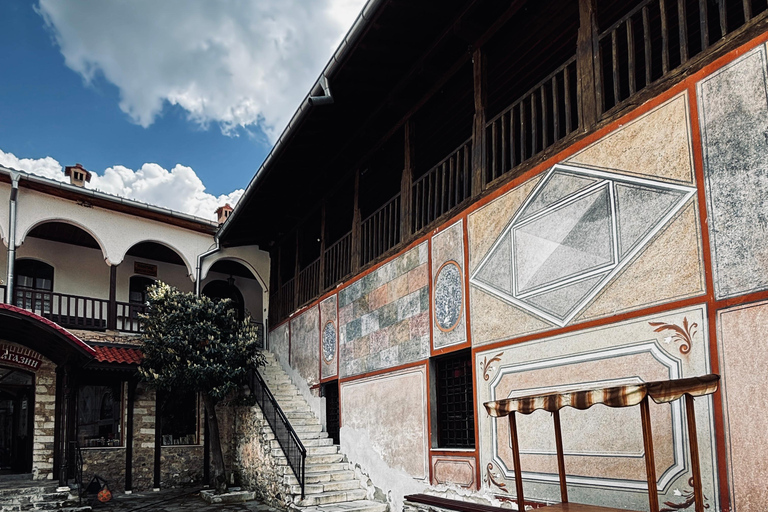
309,282
338,261
658,36
380,231
127,316
71,311
443,187
285,299
544,115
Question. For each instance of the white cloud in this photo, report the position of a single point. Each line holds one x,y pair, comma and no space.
236,63
179,189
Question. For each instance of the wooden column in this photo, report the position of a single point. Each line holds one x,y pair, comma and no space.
296,269
132,383
478,125
650,461
560,457
587,66
406,183
356,225
516,461
321,269
693,442
112,314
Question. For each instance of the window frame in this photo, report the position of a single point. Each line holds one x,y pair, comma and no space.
444,436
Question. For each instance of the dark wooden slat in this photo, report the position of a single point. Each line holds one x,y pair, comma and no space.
704,23
682,24
534,125
555,109
631,67
512,140
747,5
544,124
698,494
523,148
650,461
494,151
568,104
722,9
615,65
664,37
478,127
588,66
647,45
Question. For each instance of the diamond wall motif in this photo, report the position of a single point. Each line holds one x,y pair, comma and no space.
578,228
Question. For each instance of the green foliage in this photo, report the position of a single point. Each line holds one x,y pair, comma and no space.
196,343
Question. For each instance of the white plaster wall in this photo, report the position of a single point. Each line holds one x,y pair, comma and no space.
115,232
174,275
5,197
257,262
251,290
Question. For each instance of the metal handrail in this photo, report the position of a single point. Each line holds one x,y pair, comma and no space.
286,437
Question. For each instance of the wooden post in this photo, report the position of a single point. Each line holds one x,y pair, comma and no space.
478,126
588,66
516,461
112,315
296,270
321,265
406,183
356,226
560,457
693,442
650,461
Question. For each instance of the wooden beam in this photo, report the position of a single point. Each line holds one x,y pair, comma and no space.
132,383
406,183
516,461
321,269
112,313
356,224
588,66
560,457
478,123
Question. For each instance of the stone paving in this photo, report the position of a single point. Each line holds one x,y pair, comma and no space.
174,500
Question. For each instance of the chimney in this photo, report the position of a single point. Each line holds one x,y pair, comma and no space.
222,212
78,175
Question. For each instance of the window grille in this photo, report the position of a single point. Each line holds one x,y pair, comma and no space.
455,407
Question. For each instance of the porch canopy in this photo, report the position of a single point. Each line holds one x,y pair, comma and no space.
42,335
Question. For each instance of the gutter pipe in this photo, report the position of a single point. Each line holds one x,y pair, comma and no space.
15,177
199,269
362,20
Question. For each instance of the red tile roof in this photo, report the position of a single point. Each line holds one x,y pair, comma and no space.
53,325
126,355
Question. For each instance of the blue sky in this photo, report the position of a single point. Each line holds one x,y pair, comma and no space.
152,95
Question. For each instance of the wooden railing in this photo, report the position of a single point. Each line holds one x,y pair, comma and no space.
127,316
657,37
309,282
545,114
338,261
443,187
380,231
71,311
286,299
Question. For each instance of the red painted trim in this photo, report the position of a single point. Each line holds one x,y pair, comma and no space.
598,322
431,294
385,370
53,325
741,299
429,422
698,166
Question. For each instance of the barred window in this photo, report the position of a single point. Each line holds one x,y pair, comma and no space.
455,404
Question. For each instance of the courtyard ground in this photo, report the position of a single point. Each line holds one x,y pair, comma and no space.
174,500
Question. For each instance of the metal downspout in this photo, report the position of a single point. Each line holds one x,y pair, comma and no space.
15,177
199,270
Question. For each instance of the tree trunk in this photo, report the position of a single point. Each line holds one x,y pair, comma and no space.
217,457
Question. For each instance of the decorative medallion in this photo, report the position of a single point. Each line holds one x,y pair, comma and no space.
576,231
448,296
329,341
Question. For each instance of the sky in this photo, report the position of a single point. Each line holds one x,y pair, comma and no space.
174,103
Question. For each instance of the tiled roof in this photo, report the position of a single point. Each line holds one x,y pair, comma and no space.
111,354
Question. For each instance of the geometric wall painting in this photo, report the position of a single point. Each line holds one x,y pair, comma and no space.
576,230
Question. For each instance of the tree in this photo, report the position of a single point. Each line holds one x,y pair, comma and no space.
196,343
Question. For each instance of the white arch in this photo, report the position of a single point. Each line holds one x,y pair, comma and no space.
20,237
213,260
179,253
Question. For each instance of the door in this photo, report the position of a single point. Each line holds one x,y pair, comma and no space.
17,401
331,394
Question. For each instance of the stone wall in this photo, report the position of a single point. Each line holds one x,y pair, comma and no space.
144,438
108,463
45,417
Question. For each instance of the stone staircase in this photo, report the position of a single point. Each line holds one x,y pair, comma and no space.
330,481
20,495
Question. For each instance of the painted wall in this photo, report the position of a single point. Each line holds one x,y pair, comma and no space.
640,253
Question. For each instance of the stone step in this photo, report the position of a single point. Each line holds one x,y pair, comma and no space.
320,477
314,459
22,491
324,498
311,450
323,468
351,506
343,485
320,441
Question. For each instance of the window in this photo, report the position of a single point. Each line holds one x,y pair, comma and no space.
226,290
178,414
454,398
33,279
98,415
138,289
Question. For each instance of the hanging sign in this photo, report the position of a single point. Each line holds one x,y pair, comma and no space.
145,269
19,356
